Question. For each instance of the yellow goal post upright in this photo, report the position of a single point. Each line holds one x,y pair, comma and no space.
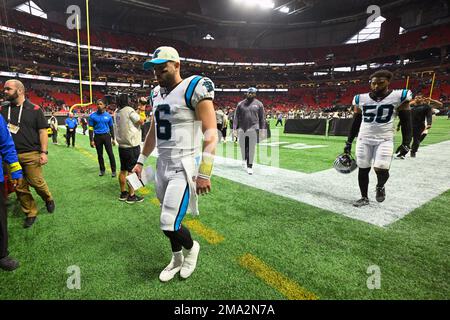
423,78
84,104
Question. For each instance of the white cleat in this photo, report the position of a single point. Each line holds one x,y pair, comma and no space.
244,164
190,260
250,171
172,269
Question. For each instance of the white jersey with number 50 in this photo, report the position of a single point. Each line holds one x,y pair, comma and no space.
378,116
178,134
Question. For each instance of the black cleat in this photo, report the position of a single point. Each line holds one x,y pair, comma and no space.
361,202
413,154
113,175
381,194
134,199
123,196
101,174
50,206
29,222
8,264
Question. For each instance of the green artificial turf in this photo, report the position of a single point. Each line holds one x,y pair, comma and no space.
120,249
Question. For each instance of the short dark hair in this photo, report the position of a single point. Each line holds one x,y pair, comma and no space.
382,74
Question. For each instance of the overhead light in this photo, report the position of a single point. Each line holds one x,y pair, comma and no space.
266,4
263,4
249,3
284,9
208,37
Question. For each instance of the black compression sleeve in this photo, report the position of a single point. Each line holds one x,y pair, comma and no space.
429,116
111,130
357,119
406,123
91,135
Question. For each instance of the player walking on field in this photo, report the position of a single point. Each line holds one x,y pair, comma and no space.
373,124
183,109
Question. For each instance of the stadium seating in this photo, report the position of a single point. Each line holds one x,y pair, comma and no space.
32,57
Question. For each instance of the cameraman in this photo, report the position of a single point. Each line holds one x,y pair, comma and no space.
128,135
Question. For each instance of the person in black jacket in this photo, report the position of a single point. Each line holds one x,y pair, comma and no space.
422,111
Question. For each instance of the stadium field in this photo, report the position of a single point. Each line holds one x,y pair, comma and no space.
255,244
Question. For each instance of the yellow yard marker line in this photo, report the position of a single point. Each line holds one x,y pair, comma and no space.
210,235
89,155
276,280
144,191
155,201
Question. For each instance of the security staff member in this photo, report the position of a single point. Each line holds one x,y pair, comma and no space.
28,127
421,111
71,129
101,133
9,155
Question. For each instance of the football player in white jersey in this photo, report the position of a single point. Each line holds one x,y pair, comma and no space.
182,110
374,125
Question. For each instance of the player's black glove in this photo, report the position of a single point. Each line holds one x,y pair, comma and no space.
402,150
348,147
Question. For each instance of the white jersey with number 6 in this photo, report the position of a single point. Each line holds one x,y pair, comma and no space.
178,134
378,116
178,139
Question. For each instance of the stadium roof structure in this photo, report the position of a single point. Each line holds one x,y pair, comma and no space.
233,23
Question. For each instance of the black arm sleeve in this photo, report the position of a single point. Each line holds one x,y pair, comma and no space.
111,131
429,116
406,122
91,135
357,119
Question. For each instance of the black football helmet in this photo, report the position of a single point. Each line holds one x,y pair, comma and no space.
345,163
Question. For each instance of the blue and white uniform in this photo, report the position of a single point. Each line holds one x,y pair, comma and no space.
376,135
178,140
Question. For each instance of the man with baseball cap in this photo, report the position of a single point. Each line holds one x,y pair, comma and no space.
183,110
162,55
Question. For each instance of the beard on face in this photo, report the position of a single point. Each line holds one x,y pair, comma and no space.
12,97
165,80
379,91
